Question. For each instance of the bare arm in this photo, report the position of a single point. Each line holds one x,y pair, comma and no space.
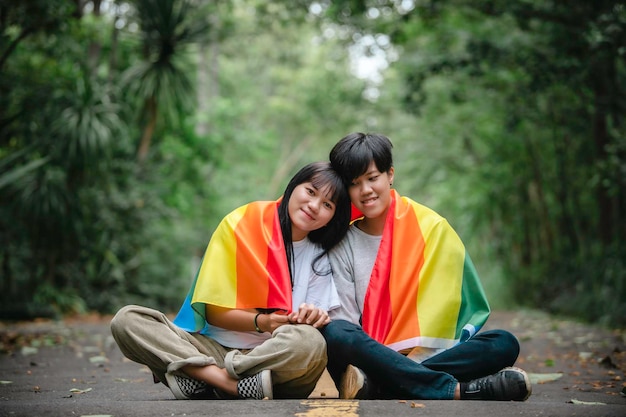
243,320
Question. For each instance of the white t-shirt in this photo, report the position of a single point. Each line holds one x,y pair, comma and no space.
313,284
317,288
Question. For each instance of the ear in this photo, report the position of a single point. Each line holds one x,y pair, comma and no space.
390,175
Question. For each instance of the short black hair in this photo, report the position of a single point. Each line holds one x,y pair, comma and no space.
352,155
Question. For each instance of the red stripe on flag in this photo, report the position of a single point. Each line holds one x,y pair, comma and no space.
377,316
279,295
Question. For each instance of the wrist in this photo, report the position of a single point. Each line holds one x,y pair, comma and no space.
257,327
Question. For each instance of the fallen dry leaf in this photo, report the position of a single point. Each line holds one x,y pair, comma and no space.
543,378
578,402
80,391
96,415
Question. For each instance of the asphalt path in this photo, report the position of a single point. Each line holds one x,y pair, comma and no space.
73,368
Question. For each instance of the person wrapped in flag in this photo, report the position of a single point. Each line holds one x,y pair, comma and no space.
412,304
249,326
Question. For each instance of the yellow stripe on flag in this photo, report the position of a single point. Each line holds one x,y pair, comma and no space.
439,298
222,292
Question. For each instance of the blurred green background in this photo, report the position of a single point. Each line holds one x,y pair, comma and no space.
129,128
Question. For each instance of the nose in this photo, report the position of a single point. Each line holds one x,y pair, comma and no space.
314,204
365,188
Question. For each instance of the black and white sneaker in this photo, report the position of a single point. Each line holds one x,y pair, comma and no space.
510,384
256,387
185,388
353,384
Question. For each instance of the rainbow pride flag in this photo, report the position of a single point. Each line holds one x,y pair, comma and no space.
244,266
424,290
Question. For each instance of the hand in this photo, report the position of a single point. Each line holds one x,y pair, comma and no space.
273,321
309,314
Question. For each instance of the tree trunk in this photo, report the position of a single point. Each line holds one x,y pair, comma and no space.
93,53
208,77
148,132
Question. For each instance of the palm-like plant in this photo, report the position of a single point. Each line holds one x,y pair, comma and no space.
79,143
160,80
88,124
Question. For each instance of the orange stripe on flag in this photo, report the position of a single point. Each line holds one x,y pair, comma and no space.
251,258
406,264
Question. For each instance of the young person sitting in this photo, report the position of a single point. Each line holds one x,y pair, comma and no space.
249,327
412,304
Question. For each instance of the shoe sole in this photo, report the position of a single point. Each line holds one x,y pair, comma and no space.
266,384
529,387
351,383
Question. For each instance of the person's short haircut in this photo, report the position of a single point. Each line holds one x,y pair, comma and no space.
352,155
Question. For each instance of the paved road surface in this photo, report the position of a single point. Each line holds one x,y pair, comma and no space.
74,368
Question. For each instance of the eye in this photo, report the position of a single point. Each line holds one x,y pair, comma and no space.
374,178
310,191
329,205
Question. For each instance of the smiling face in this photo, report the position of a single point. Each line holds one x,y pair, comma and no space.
309,209
371,194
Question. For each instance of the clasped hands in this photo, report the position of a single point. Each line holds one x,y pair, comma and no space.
306,314
251,319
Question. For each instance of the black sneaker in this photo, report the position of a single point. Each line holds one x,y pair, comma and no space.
510,384
256,387
353,384
185,388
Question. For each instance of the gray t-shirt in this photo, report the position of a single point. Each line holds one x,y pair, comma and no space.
352,261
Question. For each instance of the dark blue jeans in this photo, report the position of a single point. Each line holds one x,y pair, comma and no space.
391,375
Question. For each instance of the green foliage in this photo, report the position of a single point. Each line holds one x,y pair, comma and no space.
59,300
126,133
520,106
92,226
283,103
79,222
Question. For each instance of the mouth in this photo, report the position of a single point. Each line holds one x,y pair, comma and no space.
308,215
369,201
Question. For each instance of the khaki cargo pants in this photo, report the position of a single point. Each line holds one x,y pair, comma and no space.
296,354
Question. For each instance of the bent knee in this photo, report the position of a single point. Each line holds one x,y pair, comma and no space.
510,340
124,318
506,345
340,332
308,338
